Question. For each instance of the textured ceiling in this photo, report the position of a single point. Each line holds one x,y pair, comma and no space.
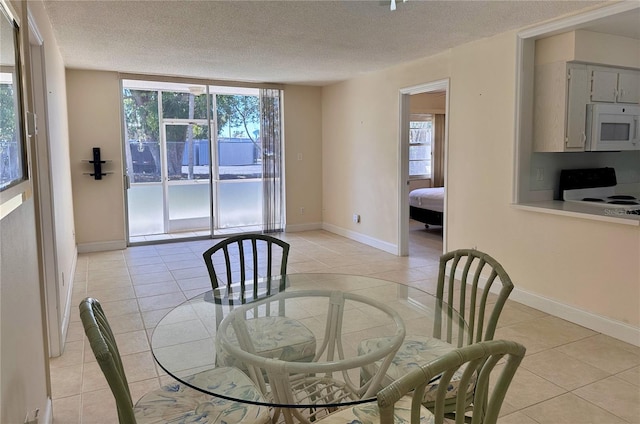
305,42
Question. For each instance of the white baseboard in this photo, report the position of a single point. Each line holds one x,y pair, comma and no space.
369,241
607,326
102,246
46,417
303,227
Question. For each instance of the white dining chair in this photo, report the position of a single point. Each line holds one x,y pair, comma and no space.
468,313
401,401
249,267
174,402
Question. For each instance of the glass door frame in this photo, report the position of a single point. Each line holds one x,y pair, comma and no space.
214,169
169,225
220,200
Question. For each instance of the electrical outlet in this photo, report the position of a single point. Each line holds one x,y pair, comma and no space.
356,218
539,174
301,211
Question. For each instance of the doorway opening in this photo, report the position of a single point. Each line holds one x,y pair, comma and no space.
423,141
195,160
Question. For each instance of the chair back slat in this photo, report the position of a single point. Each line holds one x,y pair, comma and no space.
254,264
443,384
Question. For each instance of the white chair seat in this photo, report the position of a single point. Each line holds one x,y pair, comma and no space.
414,352
178,403
368,413
274,337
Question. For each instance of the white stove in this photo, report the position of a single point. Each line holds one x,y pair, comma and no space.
596,188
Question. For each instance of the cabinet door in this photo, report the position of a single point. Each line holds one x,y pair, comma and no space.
578,88
629,87
604,86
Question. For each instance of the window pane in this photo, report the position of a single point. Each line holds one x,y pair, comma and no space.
240,203
145,209
178,105
238,160
239,148
419,152
238,117
12,152
189,201
421,167
141,121
419,136
187,152
420,131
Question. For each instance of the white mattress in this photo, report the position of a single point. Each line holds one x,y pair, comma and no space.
428,198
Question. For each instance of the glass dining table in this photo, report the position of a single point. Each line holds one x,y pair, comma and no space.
364,333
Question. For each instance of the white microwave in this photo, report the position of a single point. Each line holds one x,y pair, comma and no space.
612,127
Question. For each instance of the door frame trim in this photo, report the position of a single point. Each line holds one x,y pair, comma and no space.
403,155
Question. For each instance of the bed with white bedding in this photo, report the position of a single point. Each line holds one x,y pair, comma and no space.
427,205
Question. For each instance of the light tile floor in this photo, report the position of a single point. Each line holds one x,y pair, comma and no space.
569,375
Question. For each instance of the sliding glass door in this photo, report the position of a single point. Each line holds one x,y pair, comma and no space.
187,199
237,187
144,161
195,160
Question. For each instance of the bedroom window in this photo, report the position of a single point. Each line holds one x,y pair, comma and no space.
420,142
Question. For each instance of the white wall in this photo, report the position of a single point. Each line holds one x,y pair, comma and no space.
594,47
303,157
57,137
95,120
574,263
23,386
360,136
24,376
588,47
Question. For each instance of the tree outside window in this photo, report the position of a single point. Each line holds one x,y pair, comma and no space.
187,144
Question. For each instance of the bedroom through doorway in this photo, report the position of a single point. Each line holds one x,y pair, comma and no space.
423,141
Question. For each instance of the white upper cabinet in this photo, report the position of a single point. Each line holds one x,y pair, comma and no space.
604,86
629,87
575,135
562,91
614,85
561,94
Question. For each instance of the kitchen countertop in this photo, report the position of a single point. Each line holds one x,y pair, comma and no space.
579,210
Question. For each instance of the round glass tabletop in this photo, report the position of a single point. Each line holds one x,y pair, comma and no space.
307,340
